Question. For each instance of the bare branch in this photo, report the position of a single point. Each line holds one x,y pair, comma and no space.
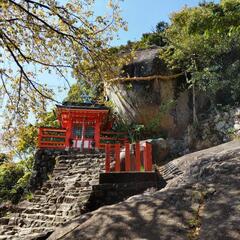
26,77
5,88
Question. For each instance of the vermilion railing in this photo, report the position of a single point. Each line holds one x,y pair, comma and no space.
51,138
130,158
55,138
108,137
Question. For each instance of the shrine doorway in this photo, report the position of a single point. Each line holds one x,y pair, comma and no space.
83,136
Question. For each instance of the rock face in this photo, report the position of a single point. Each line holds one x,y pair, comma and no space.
217,128
163,104
60,199
200,201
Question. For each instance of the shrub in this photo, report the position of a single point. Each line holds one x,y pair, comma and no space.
13,181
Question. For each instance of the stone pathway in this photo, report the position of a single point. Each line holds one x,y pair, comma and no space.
60,199
169,171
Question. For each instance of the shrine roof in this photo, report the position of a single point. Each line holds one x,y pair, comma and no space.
82,106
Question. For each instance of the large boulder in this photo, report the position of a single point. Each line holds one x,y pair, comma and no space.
160,150
162,104
200,201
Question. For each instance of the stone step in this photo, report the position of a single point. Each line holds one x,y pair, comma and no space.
56,184
38,197
32,210
44,221
74,212
7,237
40,216
41,223
55,190
48,211
4,220
33,233
69,199
5,227
61,168
60,199
40,229
72,157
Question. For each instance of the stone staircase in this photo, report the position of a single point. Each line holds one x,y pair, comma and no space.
169,171
60,199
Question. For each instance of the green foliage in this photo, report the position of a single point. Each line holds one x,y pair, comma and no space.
29,196
48,119
22,141
157,36
14,178
27,138
134,131
80,92
139,131
205,41
4,158
10,174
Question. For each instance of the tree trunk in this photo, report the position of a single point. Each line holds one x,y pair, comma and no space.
195,119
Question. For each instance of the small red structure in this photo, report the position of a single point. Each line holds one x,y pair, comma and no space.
85,126
82,124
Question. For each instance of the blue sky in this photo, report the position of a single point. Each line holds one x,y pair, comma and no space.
143,15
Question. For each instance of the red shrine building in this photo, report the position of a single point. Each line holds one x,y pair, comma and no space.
82,127
83,124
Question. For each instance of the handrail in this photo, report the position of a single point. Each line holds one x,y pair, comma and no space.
113,138
53,129
132,161
114,133
49,138
109,138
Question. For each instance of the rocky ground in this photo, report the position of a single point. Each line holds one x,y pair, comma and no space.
60,199
201,201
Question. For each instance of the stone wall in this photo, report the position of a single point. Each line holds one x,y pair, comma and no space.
43,166
219,127
213,129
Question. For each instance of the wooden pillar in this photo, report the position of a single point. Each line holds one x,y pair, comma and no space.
117,157
68,133
83,135
148,166
108,157
127,157
145,158
97,133
138,157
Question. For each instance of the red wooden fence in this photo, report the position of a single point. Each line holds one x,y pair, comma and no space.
132,160
51,138
55,138
108,137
